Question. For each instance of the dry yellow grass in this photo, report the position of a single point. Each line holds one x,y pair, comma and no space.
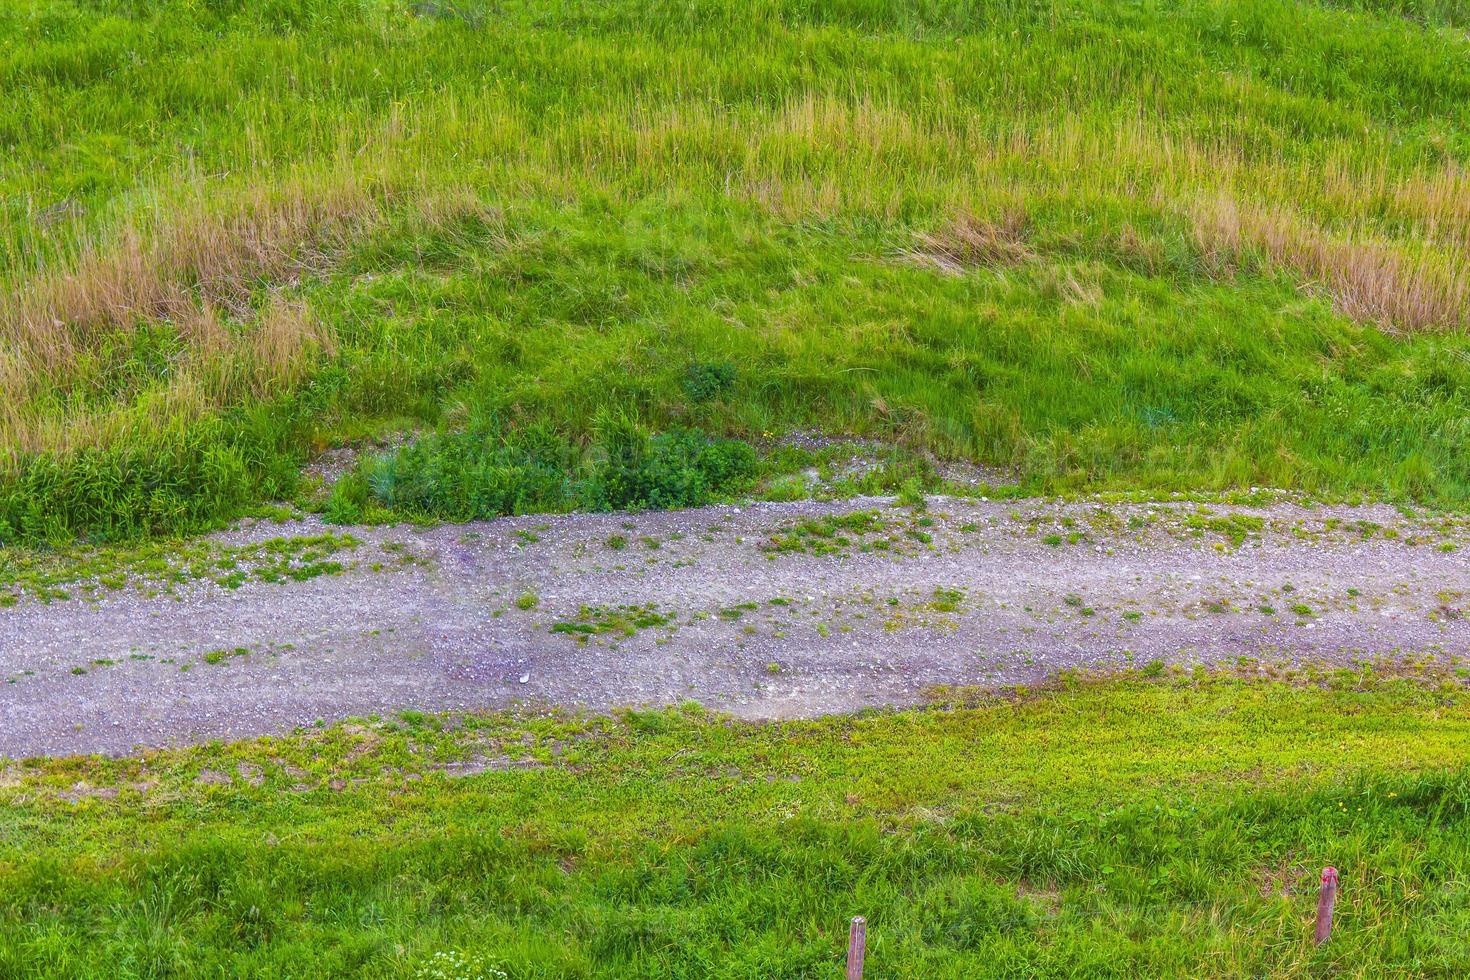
204,263
972,242
213,273
1368,280
218,367
203,256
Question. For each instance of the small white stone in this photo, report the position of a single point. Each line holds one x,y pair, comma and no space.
525,678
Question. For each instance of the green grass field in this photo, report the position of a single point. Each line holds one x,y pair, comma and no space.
611,254
1144,246
1173,827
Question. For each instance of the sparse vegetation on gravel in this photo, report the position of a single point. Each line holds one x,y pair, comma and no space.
624,620
164,566
831,534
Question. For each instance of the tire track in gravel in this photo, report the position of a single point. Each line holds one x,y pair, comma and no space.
734,607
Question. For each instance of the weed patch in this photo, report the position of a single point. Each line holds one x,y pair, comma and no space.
831,534
491,470
624,621
164,566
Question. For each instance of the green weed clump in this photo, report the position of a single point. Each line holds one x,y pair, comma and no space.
704,380
490,470
633,471
486,471
625,621
175,482
830,534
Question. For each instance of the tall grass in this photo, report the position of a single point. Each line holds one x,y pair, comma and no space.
190,175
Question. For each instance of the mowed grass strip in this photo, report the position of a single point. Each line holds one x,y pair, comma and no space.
1174,827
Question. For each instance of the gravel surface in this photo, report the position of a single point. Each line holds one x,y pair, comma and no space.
730,606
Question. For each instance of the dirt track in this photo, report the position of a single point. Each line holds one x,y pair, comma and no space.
1001,593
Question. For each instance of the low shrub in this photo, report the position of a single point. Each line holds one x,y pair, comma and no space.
633,470
492,469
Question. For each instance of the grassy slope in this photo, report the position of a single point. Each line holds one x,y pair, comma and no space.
1125,828
1204,245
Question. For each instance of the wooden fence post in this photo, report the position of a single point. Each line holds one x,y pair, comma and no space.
1326,898
857,940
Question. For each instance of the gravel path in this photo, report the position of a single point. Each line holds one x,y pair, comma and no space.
737,608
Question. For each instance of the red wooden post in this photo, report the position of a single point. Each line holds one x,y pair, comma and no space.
857,940
1326,898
